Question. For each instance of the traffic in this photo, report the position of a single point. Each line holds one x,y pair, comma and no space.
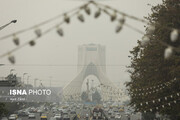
75,111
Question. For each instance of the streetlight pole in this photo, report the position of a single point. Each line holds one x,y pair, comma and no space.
2,27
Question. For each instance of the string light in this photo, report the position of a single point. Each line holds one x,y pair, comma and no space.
118,28
38,32
114,16
174,35
11,59
81,17
145,40
150,29
66,19
87,10
97,13
168,52
16,40
60,31
105,8
32,43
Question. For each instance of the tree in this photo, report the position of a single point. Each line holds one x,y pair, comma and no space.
84,96
150,71
96,97
3,110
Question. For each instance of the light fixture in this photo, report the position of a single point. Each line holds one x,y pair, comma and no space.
80,17
174,35
97,13
168,52
11,59
16,40
60,31
87,10
66,19
32,43
145,40
38,32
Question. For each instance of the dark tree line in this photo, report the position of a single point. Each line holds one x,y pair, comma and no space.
149,68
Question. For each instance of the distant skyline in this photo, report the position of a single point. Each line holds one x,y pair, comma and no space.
55,56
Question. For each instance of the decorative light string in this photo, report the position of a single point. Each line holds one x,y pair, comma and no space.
158,100
162,106
174,35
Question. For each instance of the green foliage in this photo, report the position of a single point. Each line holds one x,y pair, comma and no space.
96,97
148,66
84,96
3,110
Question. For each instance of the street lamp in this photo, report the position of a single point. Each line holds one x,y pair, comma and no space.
2,27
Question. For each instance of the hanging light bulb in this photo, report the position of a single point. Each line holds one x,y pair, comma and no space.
38,32
32,43
174,35
145,40
119,28
87,10
151,110
122,20
113,16
60,32
168,52
97,13
16,40
150,29
174,101
169,104
81,17
11,59
163,106
66,19
156,108
153,101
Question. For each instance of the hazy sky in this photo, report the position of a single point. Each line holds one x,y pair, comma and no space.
61,52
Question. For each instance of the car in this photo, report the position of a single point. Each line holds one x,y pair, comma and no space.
57,117
43,117
31,115
52,118
23,113
118,117
13,117
73,112
65,116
